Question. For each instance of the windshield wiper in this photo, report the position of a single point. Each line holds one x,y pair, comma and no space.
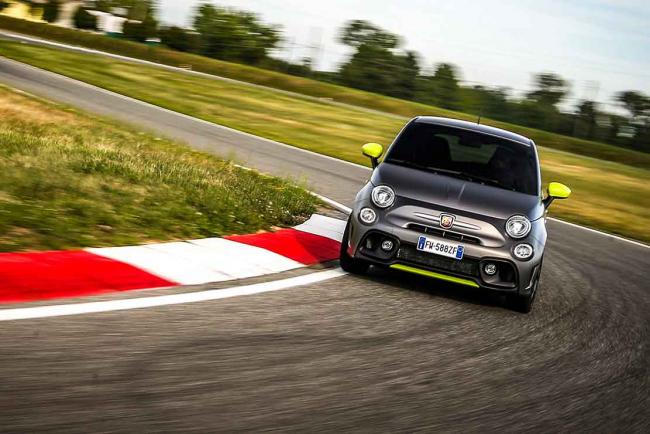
471,177
407,164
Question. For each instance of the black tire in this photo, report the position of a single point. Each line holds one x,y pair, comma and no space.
523,303
348,263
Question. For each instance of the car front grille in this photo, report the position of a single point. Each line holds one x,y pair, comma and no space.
444,234
466,266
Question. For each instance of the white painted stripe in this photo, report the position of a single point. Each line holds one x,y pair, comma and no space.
604,234
334,204
324,226
242,260
200,261
208,260
166,300
217,262
163,263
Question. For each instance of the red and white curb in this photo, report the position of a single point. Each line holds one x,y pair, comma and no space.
47,275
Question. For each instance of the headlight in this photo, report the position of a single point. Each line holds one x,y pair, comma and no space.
518,226
367,216
523,251
383,196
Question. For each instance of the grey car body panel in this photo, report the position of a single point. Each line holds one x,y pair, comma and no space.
480,211
457,194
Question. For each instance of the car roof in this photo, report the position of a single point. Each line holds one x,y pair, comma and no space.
471,126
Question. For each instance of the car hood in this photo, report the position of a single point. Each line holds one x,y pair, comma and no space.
457,194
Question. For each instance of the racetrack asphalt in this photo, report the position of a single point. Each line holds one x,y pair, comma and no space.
386,352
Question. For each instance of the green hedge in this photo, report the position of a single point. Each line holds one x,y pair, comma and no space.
311,87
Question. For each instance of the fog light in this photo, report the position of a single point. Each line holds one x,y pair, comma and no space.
387,245
367,216
523,251
490,269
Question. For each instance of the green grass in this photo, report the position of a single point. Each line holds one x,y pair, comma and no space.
607,195
310,87
68,180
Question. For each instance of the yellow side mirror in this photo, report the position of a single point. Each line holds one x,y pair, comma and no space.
556,190
373,151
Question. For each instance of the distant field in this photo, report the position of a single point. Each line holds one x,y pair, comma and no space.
68,181
607,195
312,88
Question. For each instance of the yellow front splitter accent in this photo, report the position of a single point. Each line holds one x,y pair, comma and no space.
426,273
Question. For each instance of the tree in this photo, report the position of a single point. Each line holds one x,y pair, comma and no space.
376,69
141,24
638,105
486,102
376,65
84,20
550,89
51,11
231,34
445,81
180,39
634,102
103,5
137,9
140,10
441,88
359,32
586,121
540,109
141,30
406,73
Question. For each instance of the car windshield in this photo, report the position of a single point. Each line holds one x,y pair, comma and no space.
468,155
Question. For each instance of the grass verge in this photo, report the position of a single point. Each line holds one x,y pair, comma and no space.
68,180
607,195
312,88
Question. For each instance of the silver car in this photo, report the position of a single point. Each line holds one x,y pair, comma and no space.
455,201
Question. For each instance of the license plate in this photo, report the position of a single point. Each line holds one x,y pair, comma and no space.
442,248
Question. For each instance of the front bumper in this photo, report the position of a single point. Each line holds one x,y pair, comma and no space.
518,276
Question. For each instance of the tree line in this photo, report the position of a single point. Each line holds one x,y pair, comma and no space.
380,64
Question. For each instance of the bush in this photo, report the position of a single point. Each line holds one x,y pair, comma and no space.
180,39
85,20
141,31
51,11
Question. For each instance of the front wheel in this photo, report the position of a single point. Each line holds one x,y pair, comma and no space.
523,303
348,263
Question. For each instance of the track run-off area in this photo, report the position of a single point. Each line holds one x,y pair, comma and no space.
385,352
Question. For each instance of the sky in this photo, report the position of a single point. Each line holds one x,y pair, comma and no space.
599,46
